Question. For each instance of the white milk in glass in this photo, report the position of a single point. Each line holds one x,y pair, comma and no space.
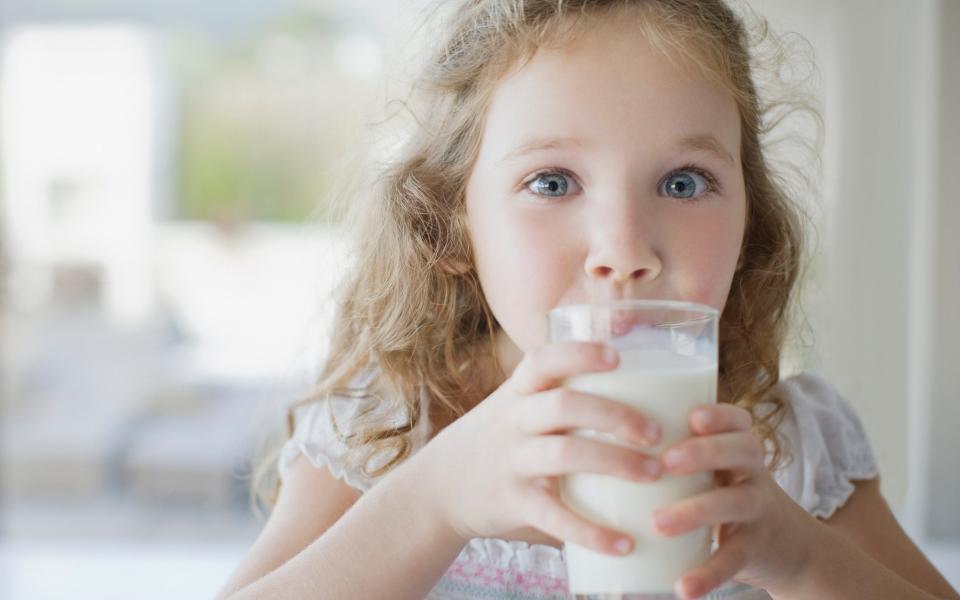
664,386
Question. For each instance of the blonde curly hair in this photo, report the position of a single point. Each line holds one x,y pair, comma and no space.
425,327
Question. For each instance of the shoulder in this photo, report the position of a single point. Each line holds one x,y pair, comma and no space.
816,392
324,429
827,443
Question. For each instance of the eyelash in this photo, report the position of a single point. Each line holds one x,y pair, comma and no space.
713,186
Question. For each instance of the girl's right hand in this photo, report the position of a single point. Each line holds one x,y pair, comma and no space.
496,469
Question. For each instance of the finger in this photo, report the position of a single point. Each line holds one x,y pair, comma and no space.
722,566
562,409
735,504
717,418
548,455
740,452
550,515
548,365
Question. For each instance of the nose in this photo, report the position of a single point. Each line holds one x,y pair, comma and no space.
622,249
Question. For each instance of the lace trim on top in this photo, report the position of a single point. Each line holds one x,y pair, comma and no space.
825,436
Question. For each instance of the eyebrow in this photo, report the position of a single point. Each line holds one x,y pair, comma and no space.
703,142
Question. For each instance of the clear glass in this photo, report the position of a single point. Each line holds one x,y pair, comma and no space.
668,365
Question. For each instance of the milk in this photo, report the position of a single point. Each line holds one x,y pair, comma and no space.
664,386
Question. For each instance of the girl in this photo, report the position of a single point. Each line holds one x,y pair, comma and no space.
571,151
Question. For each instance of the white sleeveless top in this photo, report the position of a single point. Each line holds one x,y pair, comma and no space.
829,446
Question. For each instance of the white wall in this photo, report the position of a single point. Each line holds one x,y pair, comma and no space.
942,503
881,318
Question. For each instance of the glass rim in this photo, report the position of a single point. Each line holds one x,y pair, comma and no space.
671,305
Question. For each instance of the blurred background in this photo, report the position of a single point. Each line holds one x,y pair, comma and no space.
166,249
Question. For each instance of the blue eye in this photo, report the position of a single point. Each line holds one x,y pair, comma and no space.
552,184
688,183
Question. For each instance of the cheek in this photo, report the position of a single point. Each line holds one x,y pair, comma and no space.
707,260
522,268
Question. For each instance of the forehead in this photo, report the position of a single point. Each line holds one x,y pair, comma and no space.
607,86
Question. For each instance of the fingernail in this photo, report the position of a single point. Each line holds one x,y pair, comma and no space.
701,418
652,431
672,458
663,519
609,356
689,590
652,467
623,545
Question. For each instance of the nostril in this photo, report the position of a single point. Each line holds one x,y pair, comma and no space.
603,271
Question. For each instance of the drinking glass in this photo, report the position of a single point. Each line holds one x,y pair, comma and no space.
668,365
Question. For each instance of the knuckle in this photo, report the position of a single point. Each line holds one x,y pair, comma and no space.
635,465
561,400
695,450
629,464
632,432
560,449
633,422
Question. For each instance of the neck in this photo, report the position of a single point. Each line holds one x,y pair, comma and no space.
488,376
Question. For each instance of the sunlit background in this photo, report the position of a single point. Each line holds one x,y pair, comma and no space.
166,248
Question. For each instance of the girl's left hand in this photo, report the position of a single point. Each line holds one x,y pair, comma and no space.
761,532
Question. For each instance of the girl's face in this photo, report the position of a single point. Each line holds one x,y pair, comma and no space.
605,172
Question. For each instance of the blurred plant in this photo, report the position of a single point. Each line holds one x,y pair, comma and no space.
265,121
